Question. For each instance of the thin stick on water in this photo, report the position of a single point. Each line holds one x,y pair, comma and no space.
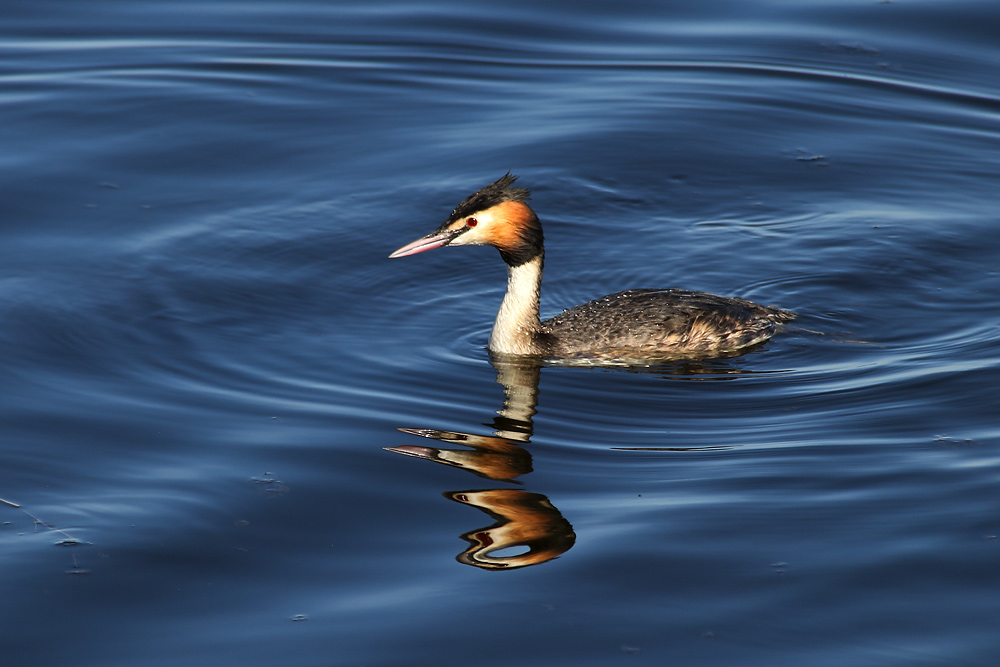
70,540
39,521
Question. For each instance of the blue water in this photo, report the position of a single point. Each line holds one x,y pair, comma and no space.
206,351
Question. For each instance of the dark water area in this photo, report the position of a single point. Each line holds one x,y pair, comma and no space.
208,358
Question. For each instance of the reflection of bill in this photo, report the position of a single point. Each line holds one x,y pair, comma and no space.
528,528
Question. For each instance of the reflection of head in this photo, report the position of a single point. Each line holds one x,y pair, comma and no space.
527,524
489,456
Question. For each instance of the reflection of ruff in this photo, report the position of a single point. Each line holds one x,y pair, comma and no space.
526,522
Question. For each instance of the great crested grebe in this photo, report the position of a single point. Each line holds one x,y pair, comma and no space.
646,323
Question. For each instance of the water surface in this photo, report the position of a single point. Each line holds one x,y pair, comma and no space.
208,357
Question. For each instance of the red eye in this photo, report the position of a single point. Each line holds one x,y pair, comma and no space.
471,222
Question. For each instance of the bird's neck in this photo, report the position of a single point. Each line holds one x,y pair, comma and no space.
517,326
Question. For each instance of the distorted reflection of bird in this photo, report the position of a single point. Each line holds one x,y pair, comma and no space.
529,529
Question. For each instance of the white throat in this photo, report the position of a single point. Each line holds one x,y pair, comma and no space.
517,324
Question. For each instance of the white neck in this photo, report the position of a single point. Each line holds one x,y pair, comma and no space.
517,324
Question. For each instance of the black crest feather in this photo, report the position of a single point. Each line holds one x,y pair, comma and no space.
500,190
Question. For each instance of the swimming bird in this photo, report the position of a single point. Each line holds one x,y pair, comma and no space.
637,323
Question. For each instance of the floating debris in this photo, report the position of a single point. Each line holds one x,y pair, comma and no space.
67,540
72,542
803,155
269,486
949,441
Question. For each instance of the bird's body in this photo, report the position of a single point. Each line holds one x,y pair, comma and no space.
664,321
639,323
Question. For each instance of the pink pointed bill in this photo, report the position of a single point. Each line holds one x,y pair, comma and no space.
429,242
